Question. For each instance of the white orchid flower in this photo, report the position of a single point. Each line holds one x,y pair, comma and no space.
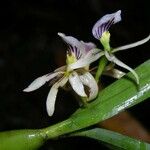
100,32
79,56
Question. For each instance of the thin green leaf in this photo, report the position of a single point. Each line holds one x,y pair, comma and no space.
117,140
117,97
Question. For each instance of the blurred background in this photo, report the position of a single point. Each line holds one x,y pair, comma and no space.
30,47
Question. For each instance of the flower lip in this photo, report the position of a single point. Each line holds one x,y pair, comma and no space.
104,23
78,48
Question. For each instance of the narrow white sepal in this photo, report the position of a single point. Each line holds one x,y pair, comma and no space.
60,69
115,73
77,84
51,98
131,45
40,81
112,58
88,80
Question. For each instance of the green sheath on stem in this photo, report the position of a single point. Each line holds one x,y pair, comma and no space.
102,64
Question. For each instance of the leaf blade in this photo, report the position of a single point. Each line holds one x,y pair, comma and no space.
114,138
117,97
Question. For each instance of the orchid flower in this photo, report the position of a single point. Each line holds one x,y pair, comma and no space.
79,56
100,32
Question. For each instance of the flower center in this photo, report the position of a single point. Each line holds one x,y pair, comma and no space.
71,58
105,40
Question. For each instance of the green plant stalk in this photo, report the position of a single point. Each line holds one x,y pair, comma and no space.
115,98
21,140
102,64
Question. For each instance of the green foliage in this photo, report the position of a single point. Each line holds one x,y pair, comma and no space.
117,97
117,140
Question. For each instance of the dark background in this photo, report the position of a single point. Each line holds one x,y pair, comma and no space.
30,47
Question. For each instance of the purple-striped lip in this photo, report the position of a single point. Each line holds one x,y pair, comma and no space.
78,48
105,23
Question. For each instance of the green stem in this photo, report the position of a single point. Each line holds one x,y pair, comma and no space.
58,129
102,64
84,102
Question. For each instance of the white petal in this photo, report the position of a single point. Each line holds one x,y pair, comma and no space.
88,80
77,84
51,98
112,58
60,69
132,45
83,62
40,81
115,73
